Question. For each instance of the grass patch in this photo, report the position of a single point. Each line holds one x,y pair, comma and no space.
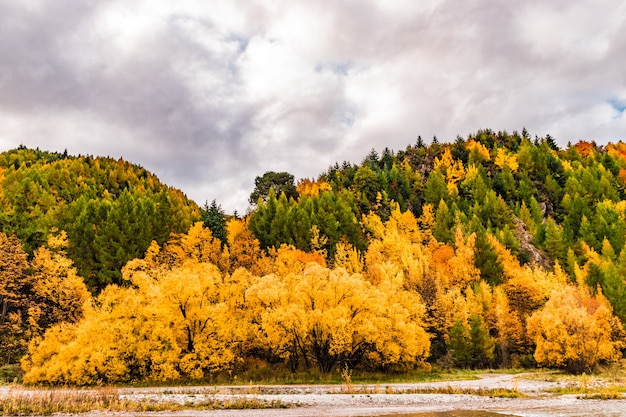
599,392
604,394
607,385
47,402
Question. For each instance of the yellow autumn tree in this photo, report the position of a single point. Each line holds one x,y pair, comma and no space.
331,317
454,267
453,170
576,331
509,330
205,329
288,259
396,246
180,316
58,293
245,250
527,287
505,160
478,151
122,338
312,188
348,258
14,302
197,244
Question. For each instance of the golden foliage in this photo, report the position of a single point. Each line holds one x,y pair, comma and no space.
396,242
59,293
576,331
505,160
479,149
181,316
452,169
331,316
288,259
510,334
348,258
245,252
120,333
233,228
312,188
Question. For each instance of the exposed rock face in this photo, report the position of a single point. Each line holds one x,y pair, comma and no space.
535,256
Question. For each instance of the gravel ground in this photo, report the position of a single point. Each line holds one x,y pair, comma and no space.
377,400
388,399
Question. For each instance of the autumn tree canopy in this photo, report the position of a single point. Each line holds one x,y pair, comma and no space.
495,250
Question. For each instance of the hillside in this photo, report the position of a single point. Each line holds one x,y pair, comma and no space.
497,250
110,209
542,203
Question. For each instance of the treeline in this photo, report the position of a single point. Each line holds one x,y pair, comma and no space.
497,250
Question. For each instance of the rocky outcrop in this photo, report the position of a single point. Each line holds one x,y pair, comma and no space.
527,246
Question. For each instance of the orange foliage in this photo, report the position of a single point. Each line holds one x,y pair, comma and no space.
584,148
288,259
440,260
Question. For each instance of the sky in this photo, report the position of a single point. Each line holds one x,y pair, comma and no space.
209,95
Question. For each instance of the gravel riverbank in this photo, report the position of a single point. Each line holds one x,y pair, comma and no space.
387,399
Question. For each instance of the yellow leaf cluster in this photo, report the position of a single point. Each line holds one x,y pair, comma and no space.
575,331
479,149
333,316
505,160
312,188
183,316
453,170
397,242
193,307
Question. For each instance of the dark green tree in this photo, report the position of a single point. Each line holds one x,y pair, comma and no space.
444,223
214,219
485,257
554,243
471,347
280,182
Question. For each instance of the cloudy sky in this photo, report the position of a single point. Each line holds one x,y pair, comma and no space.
210,94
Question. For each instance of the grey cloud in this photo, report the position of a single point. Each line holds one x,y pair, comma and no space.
208,99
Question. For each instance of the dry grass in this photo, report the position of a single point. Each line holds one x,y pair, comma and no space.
483,392
602,392
603,386
608,393
46,402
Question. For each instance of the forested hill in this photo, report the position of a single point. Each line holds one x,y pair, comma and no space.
543,203
111,209
495,250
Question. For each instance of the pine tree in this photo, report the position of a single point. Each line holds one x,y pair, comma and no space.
214,219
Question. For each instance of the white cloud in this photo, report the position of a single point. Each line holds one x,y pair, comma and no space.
209,95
